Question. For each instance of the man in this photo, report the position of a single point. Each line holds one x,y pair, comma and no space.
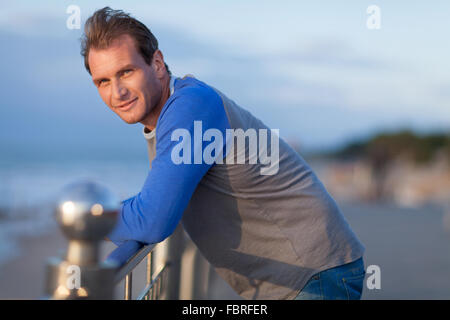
268,226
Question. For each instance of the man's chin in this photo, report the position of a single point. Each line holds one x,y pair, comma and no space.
129,120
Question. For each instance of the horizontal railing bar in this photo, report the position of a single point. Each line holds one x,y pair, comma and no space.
147,288
132,263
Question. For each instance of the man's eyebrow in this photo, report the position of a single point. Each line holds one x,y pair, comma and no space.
128,66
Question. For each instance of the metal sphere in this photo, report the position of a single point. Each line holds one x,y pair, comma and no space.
86,211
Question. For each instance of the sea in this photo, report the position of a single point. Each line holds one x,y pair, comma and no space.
29,192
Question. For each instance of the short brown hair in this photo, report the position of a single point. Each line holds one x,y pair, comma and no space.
107,24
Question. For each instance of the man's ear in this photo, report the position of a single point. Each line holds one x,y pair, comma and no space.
158,64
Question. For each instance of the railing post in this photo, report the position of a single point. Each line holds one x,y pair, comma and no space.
128,286
175,247
86,213
200,273
195,274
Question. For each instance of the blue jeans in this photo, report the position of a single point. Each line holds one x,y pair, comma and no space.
344,282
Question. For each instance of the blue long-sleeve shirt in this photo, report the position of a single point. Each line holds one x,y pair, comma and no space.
153,214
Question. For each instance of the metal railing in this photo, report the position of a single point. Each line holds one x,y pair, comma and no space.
153,286
159,277
86,213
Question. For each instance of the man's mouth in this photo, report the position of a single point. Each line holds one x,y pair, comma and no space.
127,105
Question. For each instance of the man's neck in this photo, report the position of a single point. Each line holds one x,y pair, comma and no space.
152,119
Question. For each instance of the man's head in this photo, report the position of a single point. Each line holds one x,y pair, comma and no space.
122,56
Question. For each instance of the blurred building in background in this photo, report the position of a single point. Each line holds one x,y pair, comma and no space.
402,167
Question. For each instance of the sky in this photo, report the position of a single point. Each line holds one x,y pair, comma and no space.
313,70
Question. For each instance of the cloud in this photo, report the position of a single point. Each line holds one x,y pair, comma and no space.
330,52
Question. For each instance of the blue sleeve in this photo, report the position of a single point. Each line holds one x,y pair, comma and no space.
153,214
124,252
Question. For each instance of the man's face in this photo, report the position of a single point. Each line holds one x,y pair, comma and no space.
126,83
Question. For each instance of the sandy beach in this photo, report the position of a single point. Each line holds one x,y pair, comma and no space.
23,276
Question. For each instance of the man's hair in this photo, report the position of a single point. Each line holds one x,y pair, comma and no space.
106,25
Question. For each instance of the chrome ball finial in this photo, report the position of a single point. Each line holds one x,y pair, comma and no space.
86,211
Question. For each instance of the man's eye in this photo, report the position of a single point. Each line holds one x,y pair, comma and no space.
102,82
126,72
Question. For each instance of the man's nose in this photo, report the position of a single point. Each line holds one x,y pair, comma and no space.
119,90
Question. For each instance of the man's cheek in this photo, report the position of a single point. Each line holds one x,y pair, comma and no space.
106,99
